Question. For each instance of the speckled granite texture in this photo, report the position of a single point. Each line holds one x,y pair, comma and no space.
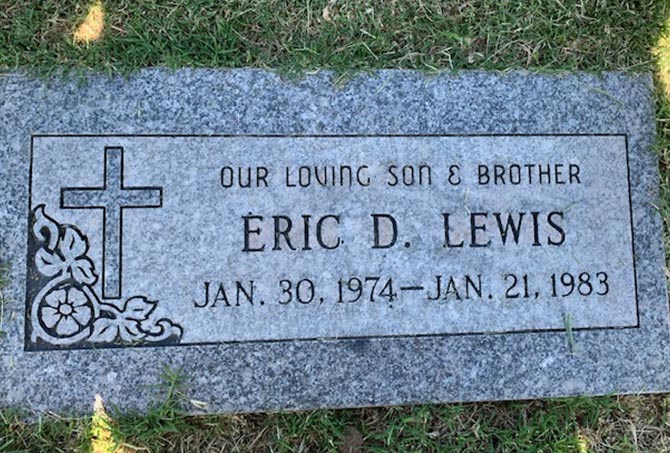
346,372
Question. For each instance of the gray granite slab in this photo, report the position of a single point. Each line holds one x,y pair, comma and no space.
297,244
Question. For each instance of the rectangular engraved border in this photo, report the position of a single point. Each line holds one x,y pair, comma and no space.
28,346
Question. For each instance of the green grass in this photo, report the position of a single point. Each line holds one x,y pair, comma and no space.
542,35
575,424
353,35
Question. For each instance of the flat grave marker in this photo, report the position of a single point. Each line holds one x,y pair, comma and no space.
293,245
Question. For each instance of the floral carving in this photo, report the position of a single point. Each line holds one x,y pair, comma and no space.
65,309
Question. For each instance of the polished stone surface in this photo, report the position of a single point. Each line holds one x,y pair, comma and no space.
253,238
137,257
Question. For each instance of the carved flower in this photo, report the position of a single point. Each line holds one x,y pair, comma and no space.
66,310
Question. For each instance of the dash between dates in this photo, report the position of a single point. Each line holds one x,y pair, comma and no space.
387,289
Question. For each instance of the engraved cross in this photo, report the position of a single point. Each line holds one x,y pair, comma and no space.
112,198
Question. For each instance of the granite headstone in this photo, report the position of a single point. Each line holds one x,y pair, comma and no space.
296,244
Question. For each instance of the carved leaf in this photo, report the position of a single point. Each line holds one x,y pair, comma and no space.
161,330
48,263
125,325
45,229
109,330
73,244
138,308
83,271
130,331
104,331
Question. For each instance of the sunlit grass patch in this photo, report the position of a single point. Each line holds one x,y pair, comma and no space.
661,52
93,25
102,438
